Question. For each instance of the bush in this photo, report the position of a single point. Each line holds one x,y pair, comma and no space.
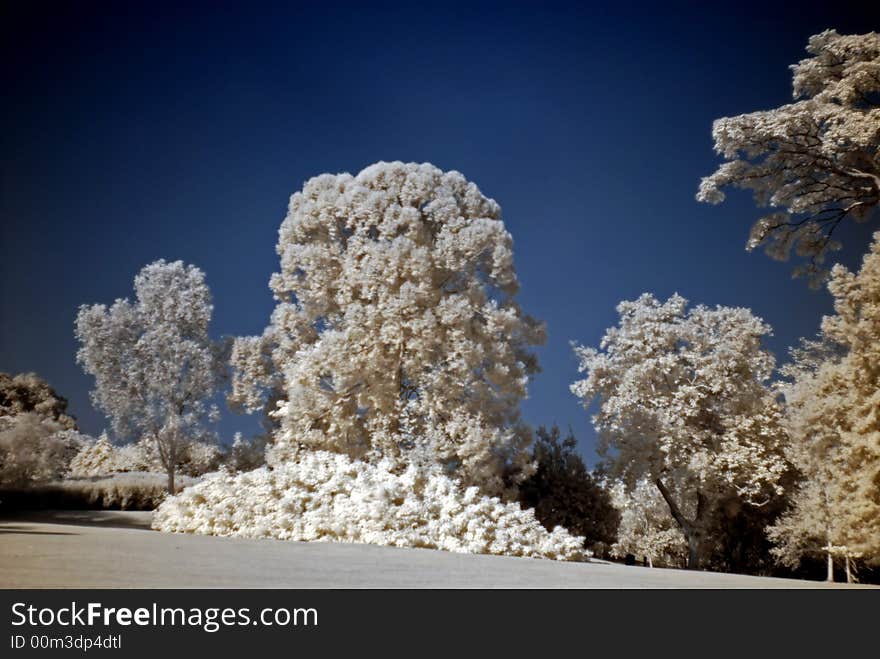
101,457
330,497
199,458
97,458
35,449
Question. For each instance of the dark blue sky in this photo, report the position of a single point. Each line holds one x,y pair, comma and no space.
132,133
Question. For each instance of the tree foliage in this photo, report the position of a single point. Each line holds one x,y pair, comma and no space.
564,493
330,497
683,401
28,392
155,366
833,414
647,529
814,162
396,328
34,449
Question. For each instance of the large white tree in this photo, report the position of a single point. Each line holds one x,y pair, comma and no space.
396,328
833,413
814,162
683,402
155,366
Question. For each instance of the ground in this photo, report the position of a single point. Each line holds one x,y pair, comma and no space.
91,549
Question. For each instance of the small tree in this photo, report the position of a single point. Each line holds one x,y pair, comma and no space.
815,160
564,493
155,366
683,402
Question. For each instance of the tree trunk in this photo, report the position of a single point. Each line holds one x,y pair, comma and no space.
849,578
692,529
830,568
171,480
693,540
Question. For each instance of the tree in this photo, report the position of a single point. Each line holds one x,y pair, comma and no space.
34,448
833,414
28,392
564,493
646,527
396,327
155,366
814,161
855,327
815,523
683,402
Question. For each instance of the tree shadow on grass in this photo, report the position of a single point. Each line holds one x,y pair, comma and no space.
13,529
104,518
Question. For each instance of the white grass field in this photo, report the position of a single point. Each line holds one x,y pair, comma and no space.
107,549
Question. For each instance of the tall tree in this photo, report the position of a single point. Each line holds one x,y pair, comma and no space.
155,366
683,401
833,413
396,327
564,493
814,161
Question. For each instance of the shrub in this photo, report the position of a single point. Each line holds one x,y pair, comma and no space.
330,497
95,459
199,458
101,457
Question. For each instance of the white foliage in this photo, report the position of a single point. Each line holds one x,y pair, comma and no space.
101,458
646,526
199,458
396,324
155,367
138,456
95,458
34,449
330,497
683,402
833,414
815,160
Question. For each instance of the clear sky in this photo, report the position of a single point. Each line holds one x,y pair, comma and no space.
135,132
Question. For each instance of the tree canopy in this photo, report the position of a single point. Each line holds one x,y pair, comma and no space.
684,401
814,162
397,328
155,366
